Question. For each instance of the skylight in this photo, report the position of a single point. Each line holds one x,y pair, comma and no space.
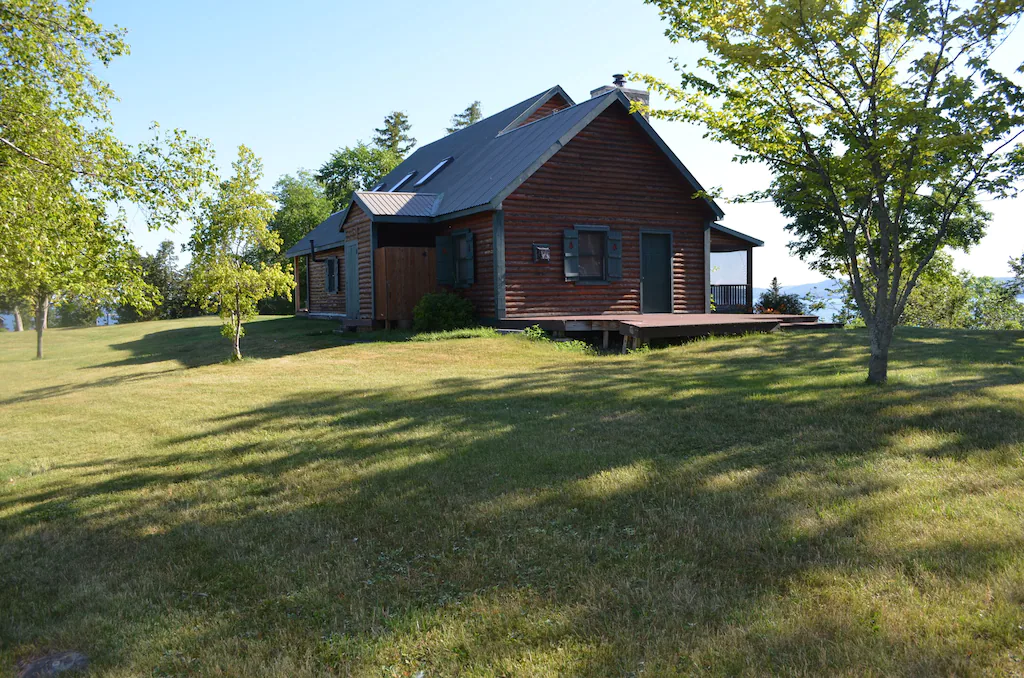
377,187
437,168
401,183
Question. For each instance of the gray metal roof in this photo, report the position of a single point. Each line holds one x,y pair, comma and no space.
325,236
492,158
398,204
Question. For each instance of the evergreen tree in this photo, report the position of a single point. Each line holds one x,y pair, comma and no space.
466,118
394,135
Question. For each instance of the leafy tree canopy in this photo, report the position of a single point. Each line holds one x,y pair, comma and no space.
466,118
881,121
351,169
62,166
302,205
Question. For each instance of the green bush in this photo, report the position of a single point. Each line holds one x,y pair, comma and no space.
442,312
774,301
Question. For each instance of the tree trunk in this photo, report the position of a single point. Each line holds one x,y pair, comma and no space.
42,308
238,336
878,365
19,325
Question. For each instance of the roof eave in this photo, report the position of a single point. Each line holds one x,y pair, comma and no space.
736,234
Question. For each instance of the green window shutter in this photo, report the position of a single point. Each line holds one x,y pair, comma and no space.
466,262
445,260
613,255
571,253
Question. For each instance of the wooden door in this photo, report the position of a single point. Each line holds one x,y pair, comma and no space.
402,275
655,273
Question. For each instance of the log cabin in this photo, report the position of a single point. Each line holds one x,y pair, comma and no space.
549,209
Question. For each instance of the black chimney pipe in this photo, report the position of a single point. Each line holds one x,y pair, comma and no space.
619,80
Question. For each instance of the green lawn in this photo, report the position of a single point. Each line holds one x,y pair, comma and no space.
494,506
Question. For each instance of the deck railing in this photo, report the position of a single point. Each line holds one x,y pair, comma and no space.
731,299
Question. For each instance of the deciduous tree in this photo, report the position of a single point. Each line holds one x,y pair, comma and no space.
302,203
226,276
62,166
356,168
882,122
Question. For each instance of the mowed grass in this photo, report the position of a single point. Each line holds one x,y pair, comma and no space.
497,507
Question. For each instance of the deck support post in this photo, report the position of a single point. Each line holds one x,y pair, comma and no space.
604,340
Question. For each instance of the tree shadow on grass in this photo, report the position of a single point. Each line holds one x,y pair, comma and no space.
606,518
192,347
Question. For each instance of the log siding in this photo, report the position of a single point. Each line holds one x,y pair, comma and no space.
556,103
611,174
481,292
357,228
319,300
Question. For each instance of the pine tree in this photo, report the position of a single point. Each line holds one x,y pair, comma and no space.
394,135
466,118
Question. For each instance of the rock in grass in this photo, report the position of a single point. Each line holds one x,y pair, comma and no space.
55,664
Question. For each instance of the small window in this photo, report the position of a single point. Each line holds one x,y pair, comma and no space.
437,168
331,275
592,255
401,183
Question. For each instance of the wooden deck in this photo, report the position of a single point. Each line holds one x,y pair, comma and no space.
638,329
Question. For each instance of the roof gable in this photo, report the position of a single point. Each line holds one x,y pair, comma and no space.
491,158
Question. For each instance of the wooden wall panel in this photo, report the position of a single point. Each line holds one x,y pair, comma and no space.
481,292
611,174
319,300
357,228
727,243
555,103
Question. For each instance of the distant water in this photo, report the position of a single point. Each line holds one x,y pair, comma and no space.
9,320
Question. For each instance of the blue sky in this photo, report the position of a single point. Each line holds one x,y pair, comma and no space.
296,80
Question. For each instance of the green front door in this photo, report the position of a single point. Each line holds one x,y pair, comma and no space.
655,273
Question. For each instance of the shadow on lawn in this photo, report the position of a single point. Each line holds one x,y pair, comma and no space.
606,518
199,346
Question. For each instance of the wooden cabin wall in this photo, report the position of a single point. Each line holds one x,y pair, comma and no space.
481,292
319,300
556,103
357,229
611,174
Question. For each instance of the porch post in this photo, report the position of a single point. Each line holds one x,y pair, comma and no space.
707,266
298,289
750,280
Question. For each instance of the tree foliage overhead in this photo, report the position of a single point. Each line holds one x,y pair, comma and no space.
351,169
882,122
62,166
472,114
393,135
228,276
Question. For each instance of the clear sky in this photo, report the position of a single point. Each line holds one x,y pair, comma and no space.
296,80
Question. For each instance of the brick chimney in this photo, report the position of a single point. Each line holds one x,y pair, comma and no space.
619,82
